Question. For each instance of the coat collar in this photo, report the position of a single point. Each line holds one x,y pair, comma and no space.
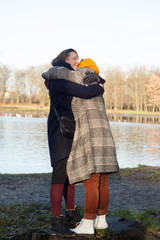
64,64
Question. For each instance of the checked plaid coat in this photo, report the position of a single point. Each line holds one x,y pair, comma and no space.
93,149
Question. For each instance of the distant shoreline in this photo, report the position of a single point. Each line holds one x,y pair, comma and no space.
42,108
24,107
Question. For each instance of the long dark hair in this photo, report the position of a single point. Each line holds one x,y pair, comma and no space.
62,56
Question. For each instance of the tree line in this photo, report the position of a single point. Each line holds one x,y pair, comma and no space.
23,86
136,89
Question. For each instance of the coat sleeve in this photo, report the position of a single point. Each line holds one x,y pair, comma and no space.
66,74
74,89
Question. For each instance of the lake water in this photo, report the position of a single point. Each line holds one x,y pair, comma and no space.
24,146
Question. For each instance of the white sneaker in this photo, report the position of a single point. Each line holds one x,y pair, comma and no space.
85,228
100,222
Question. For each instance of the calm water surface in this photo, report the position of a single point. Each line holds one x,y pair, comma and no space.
24,146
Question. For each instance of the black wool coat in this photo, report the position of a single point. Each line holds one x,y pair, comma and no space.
61,93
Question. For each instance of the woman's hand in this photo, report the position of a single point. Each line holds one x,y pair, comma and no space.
90,78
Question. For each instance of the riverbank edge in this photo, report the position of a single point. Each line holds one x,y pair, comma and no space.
151,173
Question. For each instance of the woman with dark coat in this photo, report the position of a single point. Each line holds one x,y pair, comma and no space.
61,93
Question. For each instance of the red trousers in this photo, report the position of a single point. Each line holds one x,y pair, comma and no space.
96,195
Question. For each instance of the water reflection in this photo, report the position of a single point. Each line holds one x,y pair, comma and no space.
137,144
134,119
24,146
112,117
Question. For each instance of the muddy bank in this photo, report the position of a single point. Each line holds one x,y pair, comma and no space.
137,189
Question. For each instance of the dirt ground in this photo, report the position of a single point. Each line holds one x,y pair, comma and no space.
136,190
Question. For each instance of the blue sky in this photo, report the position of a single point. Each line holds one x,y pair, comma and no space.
111,32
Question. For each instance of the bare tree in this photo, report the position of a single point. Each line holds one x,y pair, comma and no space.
153,91
20,83
35,85
143,76
114,88
135,84
4,76
42,90
31,78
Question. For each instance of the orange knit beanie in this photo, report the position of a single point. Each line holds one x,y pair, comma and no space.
89,63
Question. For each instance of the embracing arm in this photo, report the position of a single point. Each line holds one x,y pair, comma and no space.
74,89
64,73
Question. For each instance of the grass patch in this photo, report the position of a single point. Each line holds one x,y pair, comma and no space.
151,173
32,175
19,218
